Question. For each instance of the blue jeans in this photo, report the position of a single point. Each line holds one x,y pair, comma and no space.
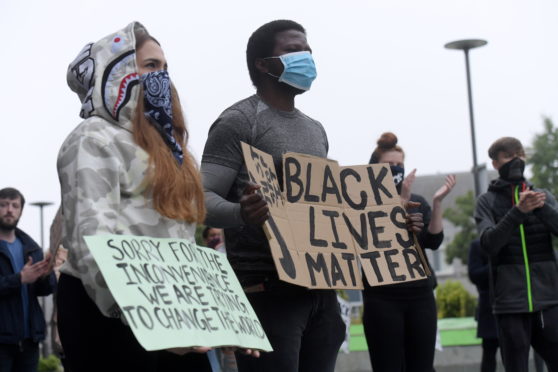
23,357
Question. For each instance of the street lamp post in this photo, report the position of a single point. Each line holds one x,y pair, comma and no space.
42,205
465,46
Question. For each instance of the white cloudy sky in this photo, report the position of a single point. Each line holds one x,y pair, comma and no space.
381,66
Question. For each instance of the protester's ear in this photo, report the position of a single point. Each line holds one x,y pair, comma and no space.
495,165
261,65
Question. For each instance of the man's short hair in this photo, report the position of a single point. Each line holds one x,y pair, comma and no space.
10,193
508,145
262,43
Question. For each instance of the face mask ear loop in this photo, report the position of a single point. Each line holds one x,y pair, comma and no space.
269,73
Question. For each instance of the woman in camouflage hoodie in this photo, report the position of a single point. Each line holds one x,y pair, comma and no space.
124,170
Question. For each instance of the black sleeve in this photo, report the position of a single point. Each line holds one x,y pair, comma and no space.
493,236
548,214
425,238
46,285
478,265
10,284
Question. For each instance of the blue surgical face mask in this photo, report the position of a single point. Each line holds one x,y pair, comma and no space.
299,69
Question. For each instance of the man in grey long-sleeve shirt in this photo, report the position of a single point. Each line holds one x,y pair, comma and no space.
515,222
304,326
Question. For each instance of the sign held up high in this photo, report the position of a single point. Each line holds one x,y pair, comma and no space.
329,222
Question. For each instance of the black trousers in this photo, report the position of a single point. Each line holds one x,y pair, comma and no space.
93,342
303,326
400,333
22,357
489,349
517,332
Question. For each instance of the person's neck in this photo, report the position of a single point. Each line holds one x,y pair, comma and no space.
277,99
8,235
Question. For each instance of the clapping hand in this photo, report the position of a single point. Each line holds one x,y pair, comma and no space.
443,191
33,271
530,200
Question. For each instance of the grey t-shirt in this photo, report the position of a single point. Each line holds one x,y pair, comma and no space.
273,131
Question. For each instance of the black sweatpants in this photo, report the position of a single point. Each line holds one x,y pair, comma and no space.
517,332
93,342
489,349
400,332
303,326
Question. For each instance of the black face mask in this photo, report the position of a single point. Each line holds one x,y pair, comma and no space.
398,174
214,242
512,171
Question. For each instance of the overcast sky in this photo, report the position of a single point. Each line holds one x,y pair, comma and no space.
381,66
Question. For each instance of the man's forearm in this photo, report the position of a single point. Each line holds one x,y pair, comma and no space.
217,181
220,212
494,238
548,214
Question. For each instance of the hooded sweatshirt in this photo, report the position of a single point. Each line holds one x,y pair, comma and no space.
102,171
524,272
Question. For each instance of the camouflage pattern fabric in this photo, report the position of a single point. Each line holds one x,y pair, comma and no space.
102,171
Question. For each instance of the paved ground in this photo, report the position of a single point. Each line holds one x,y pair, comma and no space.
452,359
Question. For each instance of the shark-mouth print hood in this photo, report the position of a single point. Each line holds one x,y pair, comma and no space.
104,74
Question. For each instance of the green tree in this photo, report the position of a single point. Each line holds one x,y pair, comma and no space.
462,217
453,300
49,364
544,158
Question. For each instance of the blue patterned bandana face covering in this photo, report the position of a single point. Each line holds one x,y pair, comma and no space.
158,108
299,70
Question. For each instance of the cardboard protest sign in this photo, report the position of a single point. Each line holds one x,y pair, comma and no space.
331,222
174,293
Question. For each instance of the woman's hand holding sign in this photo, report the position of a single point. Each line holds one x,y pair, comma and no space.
413,220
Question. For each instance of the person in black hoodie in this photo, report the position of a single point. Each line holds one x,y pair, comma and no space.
400,319
486,324
515,223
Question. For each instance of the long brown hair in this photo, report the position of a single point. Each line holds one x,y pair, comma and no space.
177,189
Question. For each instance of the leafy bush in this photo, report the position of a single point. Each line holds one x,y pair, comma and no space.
49,364
453,300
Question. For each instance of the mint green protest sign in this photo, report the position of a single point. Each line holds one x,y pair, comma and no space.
174,293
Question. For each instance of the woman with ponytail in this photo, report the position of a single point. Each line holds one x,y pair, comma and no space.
400,319
125,169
